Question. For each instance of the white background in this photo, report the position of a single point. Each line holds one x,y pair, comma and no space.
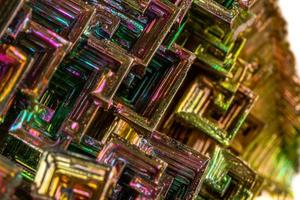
291,11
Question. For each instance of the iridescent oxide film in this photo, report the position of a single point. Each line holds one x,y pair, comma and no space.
12,67
47,50
220,116
186,169
139,174
139,30
69,176
229,178
146,100
8,10
66,18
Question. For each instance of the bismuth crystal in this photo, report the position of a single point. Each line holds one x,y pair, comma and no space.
63,175
140,175
47,49
66,18
145,100
13,67
9,10
185,167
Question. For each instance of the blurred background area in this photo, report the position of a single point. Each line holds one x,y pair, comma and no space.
291,12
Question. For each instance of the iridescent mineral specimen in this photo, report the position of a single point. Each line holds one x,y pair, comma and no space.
146,100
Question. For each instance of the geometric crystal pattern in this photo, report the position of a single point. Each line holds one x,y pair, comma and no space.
228,178
140,174
200,107
12,68
146,99
185,170
68,176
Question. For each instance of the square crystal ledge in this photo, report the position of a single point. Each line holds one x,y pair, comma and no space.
60,174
